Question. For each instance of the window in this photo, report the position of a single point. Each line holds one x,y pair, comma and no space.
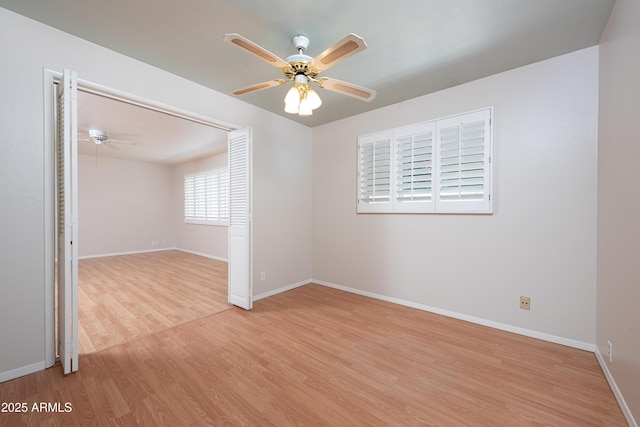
441,166
375,171
206,197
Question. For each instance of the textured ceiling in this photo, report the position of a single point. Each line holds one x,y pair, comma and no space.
414,46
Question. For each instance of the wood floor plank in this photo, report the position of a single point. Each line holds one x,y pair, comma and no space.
122,298
322,357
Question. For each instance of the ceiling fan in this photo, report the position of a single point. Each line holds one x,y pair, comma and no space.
100,137
303,70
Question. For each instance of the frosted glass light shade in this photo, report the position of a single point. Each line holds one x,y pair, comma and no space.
305,109
293,96
313,99
291,108
301,99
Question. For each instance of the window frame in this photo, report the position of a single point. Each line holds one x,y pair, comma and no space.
210,205
419,168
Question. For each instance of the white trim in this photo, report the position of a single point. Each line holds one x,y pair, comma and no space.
490,323
380,191
202,194
282,289
51,77
118,95
211,222
202,254
614,388
154,250
144,251
49,220
22,371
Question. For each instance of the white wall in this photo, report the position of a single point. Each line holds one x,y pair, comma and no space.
27,47
541,239
282,209
618,289
124,206
208,240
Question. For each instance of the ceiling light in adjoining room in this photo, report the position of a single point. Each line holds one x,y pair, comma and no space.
301,98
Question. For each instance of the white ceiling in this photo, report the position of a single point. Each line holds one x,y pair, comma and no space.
415,47
156,137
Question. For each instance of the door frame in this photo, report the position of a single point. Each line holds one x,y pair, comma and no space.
50,79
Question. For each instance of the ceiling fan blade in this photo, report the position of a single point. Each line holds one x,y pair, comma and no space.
345,48
119,141
255,49
258,86
349,89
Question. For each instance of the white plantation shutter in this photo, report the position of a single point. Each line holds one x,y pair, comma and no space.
414,168
374,172
206,197
223,195
464,153
213,189
189,197
201,198
441,166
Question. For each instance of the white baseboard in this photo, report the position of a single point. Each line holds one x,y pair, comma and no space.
505,327
614,388
280,290
497,325
202,254
154,250
126,253
22,371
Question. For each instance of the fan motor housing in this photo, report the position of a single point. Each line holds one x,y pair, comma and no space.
98,136
300,62
300,42
299,67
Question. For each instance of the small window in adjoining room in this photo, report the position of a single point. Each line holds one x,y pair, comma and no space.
206,197
440,166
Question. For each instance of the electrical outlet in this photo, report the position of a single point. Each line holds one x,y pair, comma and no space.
525,303
610,351
263,276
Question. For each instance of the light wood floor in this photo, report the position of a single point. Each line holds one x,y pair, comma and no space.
317,356
121,298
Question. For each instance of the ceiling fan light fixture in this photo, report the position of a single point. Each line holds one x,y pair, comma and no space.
313,99
302,69
291,108
98,136
293,97
305,109
301,99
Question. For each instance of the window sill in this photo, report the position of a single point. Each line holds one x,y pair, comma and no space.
204,222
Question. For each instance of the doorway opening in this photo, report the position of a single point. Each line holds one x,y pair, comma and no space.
107,174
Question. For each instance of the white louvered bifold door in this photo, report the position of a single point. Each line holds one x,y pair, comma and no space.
464,150
375,165
240,218
414,168
67,195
